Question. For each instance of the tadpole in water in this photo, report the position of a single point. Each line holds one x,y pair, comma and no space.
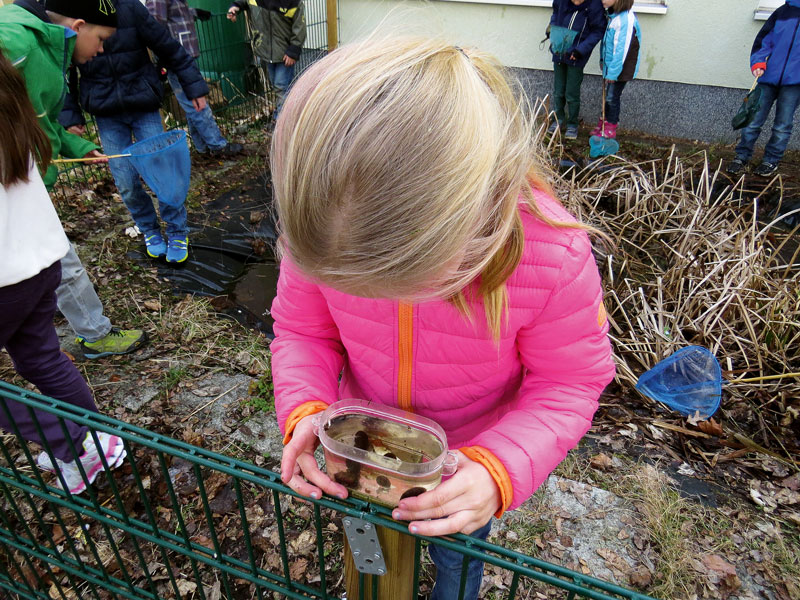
361,440
415,491
346,478
383,481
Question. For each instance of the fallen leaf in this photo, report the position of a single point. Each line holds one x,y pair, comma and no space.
640,577
153,305
714,562
186,587
601,462
298,568
711,427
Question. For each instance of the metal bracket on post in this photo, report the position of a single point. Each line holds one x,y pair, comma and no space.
364,545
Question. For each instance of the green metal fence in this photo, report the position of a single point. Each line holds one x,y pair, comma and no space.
175,520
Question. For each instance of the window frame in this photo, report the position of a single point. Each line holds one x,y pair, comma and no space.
766,8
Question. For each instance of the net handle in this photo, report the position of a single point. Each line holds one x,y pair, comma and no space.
87,158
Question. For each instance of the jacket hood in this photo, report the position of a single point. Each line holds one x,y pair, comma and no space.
36,9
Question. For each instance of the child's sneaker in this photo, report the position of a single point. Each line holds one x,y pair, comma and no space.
117,341
599,129
177,249
765,169
111,447
553,128
155,244
735,167
571,133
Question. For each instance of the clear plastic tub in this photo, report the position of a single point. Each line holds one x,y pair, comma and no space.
380,453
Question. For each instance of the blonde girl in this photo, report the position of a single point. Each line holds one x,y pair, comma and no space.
426,265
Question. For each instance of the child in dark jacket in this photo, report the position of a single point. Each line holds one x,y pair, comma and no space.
122,89
619,58
586,19
775,59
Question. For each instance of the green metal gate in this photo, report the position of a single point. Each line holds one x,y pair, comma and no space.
178,521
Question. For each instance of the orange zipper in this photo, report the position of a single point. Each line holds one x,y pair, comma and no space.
404,347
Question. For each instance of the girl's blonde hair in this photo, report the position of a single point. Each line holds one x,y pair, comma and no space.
397,170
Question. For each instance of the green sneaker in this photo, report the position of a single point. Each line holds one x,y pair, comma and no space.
118,341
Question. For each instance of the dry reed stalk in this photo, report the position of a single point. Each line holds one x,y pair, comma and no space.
691,264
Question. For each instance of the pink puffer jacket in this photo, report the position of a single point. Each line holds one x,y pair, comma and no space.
527,401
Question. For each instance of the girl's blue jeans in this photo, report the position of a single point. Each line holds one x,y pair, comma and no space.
116,134
786,99
448,570
613,94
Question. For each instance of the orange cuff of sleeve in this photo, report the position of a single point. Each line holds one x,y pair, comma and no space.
498,472
761,65
307,408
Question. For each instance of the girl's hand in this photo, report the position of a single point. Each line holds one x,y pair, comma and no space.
232,12
299,469
462,504
758,72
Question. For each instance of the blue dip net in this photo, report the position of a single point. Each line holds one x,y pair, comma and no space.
688,381
164,164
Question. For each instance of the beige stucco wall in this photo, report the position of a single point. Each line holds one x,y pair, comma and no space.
697,41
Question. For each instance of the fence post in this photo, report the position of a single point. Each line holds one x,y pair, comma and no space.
333,23
397,584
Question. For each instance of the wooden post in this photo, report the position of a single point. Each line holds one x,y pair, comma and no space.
398,553
333,23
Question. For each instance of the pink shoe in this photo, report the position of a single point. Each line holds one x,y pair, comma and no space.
610,130
599,128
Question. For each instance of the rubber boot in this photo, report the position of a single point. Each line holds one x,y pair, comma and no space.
610,130
597,130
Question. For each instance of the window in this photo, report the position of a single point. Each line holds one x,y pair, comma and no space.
641,6
765,8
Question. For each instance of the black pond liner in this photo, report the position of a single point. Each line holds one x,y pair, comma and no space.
231,256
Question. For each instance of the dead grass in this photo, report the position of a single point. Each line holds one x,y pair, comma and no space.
690,263
671,522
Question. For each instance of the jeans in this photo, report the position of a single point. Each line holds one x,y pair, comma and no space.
280,76
78,301
567,92
786,99
116,134
613,93
28,334
202,126
448,570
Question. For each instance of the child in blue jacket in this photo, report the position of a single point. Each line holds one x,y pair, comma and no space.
586,19
775,59
619,59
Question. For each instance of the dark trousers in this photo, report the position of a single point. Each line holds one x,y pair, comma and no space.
786,99
613,93
29,336
567,82
448,570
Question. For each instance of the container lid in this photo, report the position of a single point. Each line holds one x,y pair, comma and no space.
413,426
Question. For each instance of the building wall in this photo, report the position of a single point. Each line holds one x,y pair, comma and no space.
694,66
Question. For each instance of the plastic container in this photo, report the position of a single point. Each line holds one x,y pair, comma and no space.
380,453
